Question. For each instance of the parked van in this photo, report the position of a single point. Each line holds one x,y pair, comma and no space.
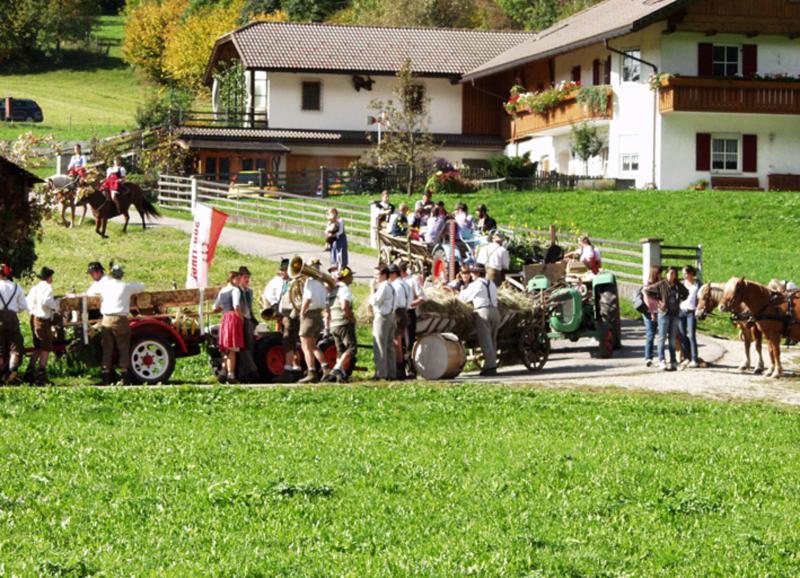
20,110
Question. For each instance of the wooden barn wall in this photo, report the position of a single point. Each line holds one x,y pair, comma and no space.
482,105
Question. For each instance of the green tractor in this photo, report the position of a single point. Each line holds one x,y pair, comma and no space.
587,309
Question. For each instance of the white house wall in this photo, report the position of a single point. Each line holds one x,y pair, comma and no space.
778,143
344,108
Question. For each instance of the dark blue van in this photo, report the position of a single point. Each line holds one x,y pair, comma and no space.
20,110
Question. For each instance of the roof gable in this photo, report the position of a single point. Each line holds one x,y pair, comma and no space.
340,48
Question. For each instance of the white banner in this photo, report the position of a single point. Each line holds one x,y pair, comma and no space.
208,224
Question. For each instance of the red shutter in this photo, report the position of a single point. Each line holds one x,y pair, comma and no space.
749,153
703,151
596,71
576,73
607,71
749,60
705,59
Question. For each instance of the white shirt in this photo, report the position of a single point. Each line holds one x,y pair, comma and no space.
14,295
41,302
481,293
315,292
494,256
402,294
116,169
690,303
382,300
274,290
77,161
417,290
117,295
94,288
343,295
236,298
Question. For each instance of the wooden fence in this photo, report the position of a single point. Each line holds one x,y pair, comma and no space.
279,210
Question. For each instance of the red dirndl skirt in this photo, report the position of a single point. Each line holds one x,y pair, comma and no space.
231,332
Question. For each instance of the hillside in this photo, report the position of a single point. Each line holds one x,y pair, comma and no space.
89,94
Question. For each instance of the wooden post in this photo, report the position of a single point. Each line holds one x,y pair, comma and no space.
552,234
323,177
651,256
193,192
451,268
699,264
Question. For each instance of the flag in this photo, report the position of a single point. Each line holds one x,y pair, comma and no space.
208,223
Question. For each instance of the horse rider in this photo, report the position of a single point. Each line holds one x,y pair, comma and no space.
43,307
342,324
116,332
12,302
482,294
312,323
383,324
77,166
495,258
114,184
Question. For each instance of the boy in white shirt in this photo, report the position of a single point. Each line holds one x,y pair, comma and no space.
43,306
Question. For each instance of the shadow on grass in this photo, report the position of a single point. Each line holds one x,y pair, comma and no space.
70,60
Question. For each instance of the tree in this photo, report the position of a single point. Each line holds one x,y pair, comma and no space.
187,48
406,140
66,21
148,25
586,143
443,13
310,10
539,14
251,8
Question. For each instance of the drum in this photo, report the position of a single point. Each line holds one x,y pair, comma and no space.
438,356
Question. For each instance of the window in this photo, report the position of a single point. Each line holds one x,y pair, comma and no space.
312,95
415,97
630,163
631,67
260,95
211,167
224,168
247,164
725,61
725,153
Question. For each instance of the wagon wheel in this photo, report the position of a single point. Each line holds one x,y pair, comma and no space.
534,348
386,255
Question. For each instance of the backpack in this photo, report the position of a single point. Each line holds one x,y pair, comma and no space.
638,301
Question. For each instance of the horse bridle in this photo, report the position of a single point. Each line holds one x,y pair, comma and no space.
728,306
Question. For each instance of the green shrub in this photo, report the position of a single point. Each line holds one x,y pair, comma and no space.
163,107
519,167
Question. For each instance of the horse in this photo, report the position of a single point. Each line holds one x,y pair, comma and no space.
65,189
104,209
775,314
708,299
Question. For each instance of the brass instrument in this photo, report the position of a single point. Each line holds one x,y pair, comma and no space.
298,273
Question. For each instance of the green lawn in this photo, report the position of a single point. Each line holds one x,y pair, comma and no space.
85,96
394,481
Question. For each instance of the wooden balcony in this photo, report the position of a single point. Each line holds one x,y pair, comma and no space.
688,94
567,113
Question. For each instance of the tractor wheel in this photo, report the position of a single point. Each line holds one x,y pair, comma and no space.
605,339
609,313
534,348
152,359
270,357
328,348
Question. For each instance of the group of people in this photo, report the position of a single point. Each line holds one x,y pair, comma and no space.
43,308
114,183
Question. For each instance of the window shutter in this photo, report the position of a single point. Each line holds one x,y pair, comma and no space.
703,151
749,60
596,71
607,71
576,73
749,153
705,59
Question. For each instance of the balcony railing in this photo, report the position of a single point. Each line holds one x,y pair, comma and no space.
688,94
221,119
567,113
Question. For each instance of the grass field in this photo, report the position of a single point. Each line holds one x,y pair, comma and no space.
394,481
88,95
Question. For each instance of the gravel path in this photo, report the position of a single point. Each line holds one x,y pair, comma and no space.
572,364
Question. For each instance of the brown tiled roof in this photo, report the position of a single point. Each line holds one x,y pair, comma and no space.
6,164
329,47
602,21
192,135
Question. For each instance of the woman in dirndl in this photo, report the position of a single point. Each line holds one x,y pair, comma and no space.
231,332
336,239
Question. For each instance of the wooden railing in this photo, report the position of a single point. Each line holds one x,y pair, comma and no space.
568,112
687,94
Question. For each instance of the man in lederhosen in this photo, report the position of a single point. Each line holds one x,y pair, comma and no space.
43,307
116,332
12,302
482,294
342,324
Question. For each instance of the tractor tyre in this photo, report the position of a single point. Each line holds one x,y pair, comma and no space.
609,313
605,340
152,359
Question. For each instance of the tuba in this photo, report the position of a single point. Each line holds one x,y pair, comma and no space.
298,273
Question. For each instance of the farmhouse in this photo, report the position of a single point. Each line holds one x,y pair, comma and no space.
307,89
681,90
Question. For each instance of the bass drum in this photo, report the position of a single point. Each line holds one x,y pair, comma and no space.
438,356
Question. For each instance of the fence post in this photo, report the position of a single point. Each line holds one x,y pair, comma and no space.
323,178
193,192
699,263
651,256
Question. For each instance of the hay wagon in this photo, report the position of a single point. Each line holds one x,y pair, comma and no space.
419,256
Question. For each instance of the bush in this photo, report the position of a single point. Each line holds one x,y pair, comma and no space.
161,105
519,167
451,182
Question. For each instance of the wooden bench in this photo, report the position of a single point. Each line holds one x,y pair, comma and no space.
735,184
779,182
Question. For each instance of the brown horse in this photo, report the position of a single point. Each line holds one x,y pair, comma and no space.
708,299
104,209
775,314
